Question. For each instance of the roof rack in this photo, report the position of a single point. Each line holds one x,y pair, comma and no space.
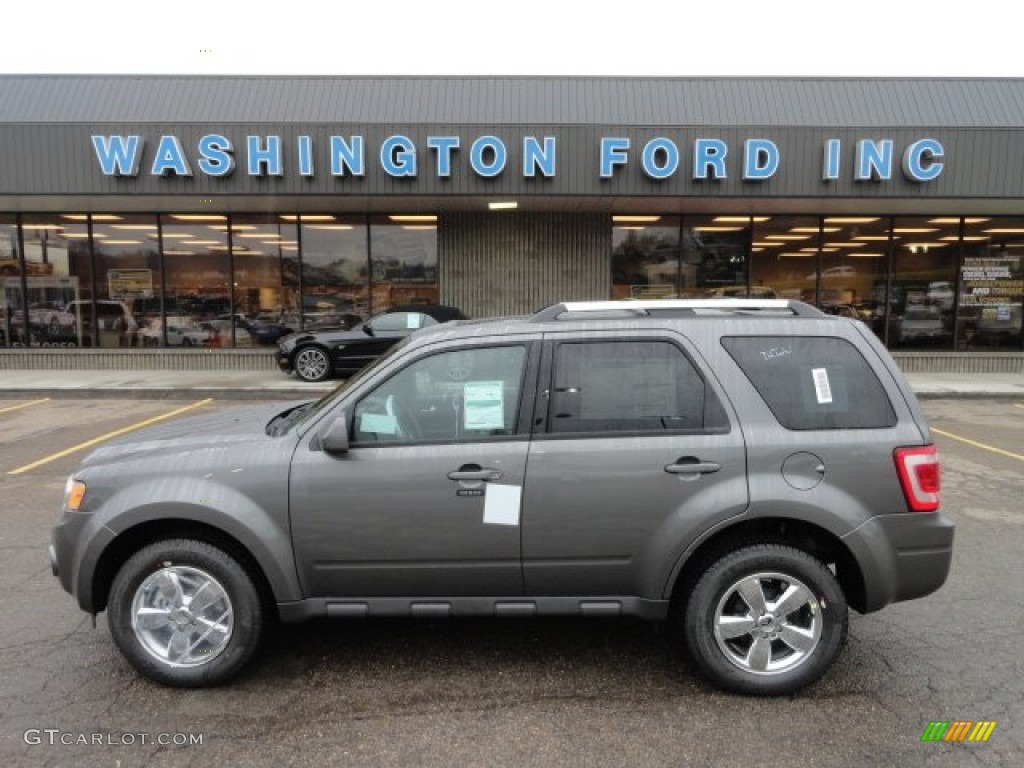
656,307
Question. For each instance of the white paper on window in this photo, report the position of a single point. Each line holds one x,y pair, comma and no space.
483,405
822,388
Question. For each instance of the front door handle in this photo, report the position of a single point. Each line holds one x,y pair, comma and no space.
691,465
474,472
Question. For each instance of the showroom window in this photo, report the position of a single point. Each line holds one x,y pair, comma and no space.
922,289
12,313
991,284
403,259
197,280
645,257
714,255
126,255
784,257
335,269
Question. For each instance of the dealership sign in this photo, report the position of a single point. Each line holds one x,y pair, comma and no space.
398,156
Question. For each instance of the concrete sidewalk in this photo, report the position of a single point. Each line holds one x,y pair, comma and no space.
273,385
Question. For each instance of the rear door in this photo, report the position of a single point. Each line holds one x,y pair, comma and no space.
635,453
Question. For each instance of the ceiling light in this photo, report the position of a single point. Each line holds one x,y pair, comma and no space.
122,242
509,205
628,219
198,217
257,235
788,237
767,244
135,227
176,235
413,217
307,217
814,230
846,245
95,217
42,226
956,220
872,238
330,226
913,230
717,229
1005,231
419,226
742,219
850,219
635,229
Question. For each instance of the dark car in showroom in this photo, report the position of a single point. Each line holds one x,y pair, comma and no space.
316,355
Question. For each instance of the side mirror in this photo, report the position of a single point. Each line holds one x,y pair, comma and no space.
368,329
335,439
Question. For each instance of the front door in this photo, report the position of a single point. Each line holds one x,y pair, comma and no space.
426,500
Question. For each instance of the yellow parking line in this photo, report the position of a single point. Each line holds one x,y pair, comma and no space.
24,405
992,448
108,436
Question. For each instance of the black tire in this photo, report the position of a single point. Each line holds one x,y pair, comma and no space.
732,663
185,557
312,363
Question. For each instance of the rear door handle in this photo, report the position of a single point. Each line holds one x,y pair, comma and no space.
474,472
691,465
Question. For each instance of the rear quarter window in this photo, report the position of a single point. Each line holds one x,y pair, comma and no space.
813,382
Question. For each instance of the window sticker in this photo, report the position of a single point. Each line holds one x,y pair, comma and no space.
821,386
413,320
501,504
378,423
483,405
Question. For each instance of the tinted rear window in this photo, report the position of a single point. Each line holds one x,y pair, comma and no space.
813,382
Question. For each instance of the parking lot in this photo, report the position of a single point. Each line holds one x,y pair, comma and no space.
510,692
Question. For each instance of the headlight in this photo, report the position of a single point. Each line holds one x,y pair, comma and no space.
74,494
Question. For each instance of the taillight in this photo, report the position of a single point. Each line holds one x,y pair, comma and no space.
918,469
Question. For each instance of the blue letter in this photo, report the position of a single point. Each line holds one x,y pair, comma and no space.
170,158
444,146
398,156
535,158
215,157
760,159
831,170
914,158
305,156
476,156
613,152
264,161
874,161
344,155
648,160
709,153
118,156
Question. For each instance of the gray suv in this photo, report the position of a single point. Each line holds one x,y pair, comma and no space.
744,468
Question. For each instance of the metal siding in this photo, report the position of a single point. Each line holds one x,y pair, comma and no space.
837,102
504,263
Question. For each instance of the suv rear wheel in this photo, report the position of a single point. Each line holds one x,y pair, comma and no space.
765,619
185,613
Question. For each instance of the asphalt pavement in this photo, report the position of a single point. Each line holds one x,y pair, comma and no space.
240,385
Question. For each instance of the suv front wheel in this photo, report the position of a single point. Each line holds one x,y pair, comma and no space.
185,613
765,619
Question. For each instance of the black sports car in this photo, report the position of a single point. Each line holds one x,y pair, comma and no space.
316,355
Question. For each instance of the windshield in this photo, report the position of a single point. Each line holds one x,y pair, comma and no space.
309,412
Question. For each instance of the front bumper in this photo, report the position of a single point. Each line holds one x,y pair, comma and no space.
284,361
76,544
902,557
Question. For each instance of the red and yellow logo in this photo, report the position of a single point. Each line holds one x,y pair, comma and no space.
958,730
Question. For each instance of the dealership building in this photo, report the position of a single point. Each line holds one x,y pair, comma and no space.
139,214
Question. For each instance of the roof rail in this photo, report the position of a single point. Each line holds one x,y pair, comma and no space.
628,308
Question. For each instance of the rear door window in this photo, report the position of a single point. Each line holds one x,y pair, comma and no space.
630,386
813,382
